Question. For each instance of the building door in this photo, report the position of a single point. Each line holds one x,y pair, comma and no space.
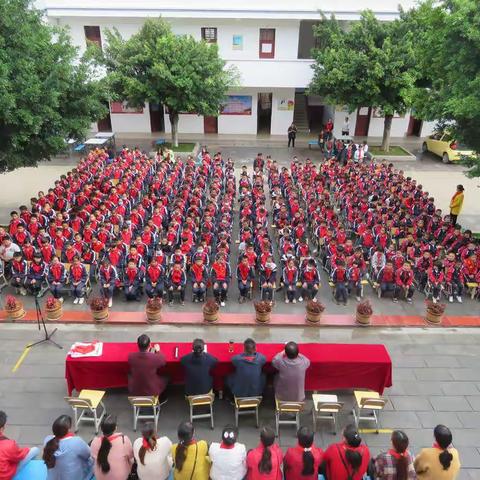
264,113
363,121
414,126
210,124
105,124
157,123
267,43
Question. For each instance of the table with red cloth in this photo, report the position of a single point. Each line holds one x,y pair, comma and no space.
333,366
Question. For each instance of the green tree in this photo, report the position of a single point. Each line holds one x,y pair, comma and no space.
448,53
157,66
368,63
46,94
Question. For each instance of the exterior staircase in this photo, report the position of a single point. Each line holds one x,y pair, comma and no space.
300,115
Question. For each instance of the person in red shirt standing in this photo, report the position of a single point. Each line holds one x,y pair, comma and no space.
265,461
347,459
12,457
303,461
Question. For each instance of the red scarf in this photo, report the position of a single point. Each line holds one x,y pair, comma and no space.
177,276
77,272
221,270
154,272
198,272
132,274
244,271
396,454
57,271
226,447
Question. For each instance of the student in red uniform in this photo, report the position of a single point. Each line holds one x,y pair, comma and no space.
57,277
132,281
289,280
265,461
245,276
154,277
436,277
19,269
268,279
220,275
340,281
310,281
347,460
177,281
303,461
404,282
78,280
198,276
386,279
37,274
108,277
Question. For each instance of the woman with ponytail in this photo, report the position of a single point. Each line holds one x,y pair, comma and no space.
441,462
302,462
152,454
190,457
265,461
112,452
66,456
397,463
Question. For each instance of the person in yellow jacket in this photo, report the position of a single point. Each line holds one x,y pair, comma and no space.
456,204
441,462
190,457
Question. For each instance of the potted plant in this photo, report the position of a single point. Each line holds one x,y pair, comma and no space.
53,308
364,312
153,310
14,308
313,311
99,308
434,312
210,311
263,309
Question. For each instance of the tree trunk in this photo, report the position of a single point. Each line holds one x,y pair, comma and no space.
387,126
174,123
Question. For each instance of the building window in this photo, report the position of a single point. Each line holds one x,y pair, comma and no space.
267,43
92,35
209,34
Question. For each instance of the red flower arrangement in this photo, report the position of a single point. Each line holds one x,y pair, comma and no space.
11,303
52,303
97,304
154,304
263,306
435,308
210,307
315,307
365,308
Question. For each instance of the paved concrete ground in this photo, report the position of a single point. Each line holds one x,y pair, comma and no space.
436,379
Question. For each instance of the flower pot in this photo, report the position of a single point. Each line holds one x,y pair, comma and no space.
262,317
312,317
153,316
433,317
15,314
53,314
210,317
100,315
363,319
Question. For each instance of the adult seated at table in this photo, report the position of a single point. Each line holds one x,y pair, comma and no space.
248,379
12,457
290,381
144,366
197,366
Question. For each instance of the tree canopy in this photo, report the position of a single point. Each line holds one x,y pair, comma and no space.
157,66
367,63
46,93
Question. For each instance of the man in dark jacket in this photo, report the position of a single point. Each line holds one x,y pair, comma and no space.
144,369
248,379
198,366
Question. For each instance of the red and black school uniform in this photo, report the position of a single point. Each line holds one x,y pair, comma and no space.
176,281
386,279
245,276
57,278
340,280
37,274
289,280
19,270
310,279
220,275
108,277
78,279
436,278
404,282
268,279
154,280
132,283
354,276
198,276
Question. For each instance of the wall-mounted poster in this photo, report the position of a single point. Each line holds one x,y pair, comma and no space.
122,107
237,105
286,104
237,42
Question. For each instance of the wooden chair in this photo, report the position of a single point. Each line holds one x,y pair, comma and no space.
326,407
247,406
87,403
370,402
144,402
288,409
201,401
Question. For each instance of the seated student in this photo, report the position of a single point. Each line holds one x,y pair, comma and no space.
290,380
386,279
108,277
197,366
144,369
436,278
57,277
348,459
220,275
248,380
265,461
228,457
132,281
154,276
176,282
302,461
78,280
152,454
65,454
310,279
340,281
37,274
198,275
112,452
19,271
354,276
441,462
404,282
397,463
12,457
190,456
289,280
245,276
268,278
454,282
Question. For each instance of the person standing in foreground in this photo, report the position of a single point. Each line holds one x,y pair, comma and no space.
397,463
302,462
456,204
228,457
290,380
265,461
292,134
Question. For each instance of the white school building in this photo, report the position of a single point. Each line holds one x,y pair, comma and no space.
268,41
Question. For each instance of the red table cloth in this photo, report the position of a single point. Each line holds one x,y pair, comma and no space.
333,366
